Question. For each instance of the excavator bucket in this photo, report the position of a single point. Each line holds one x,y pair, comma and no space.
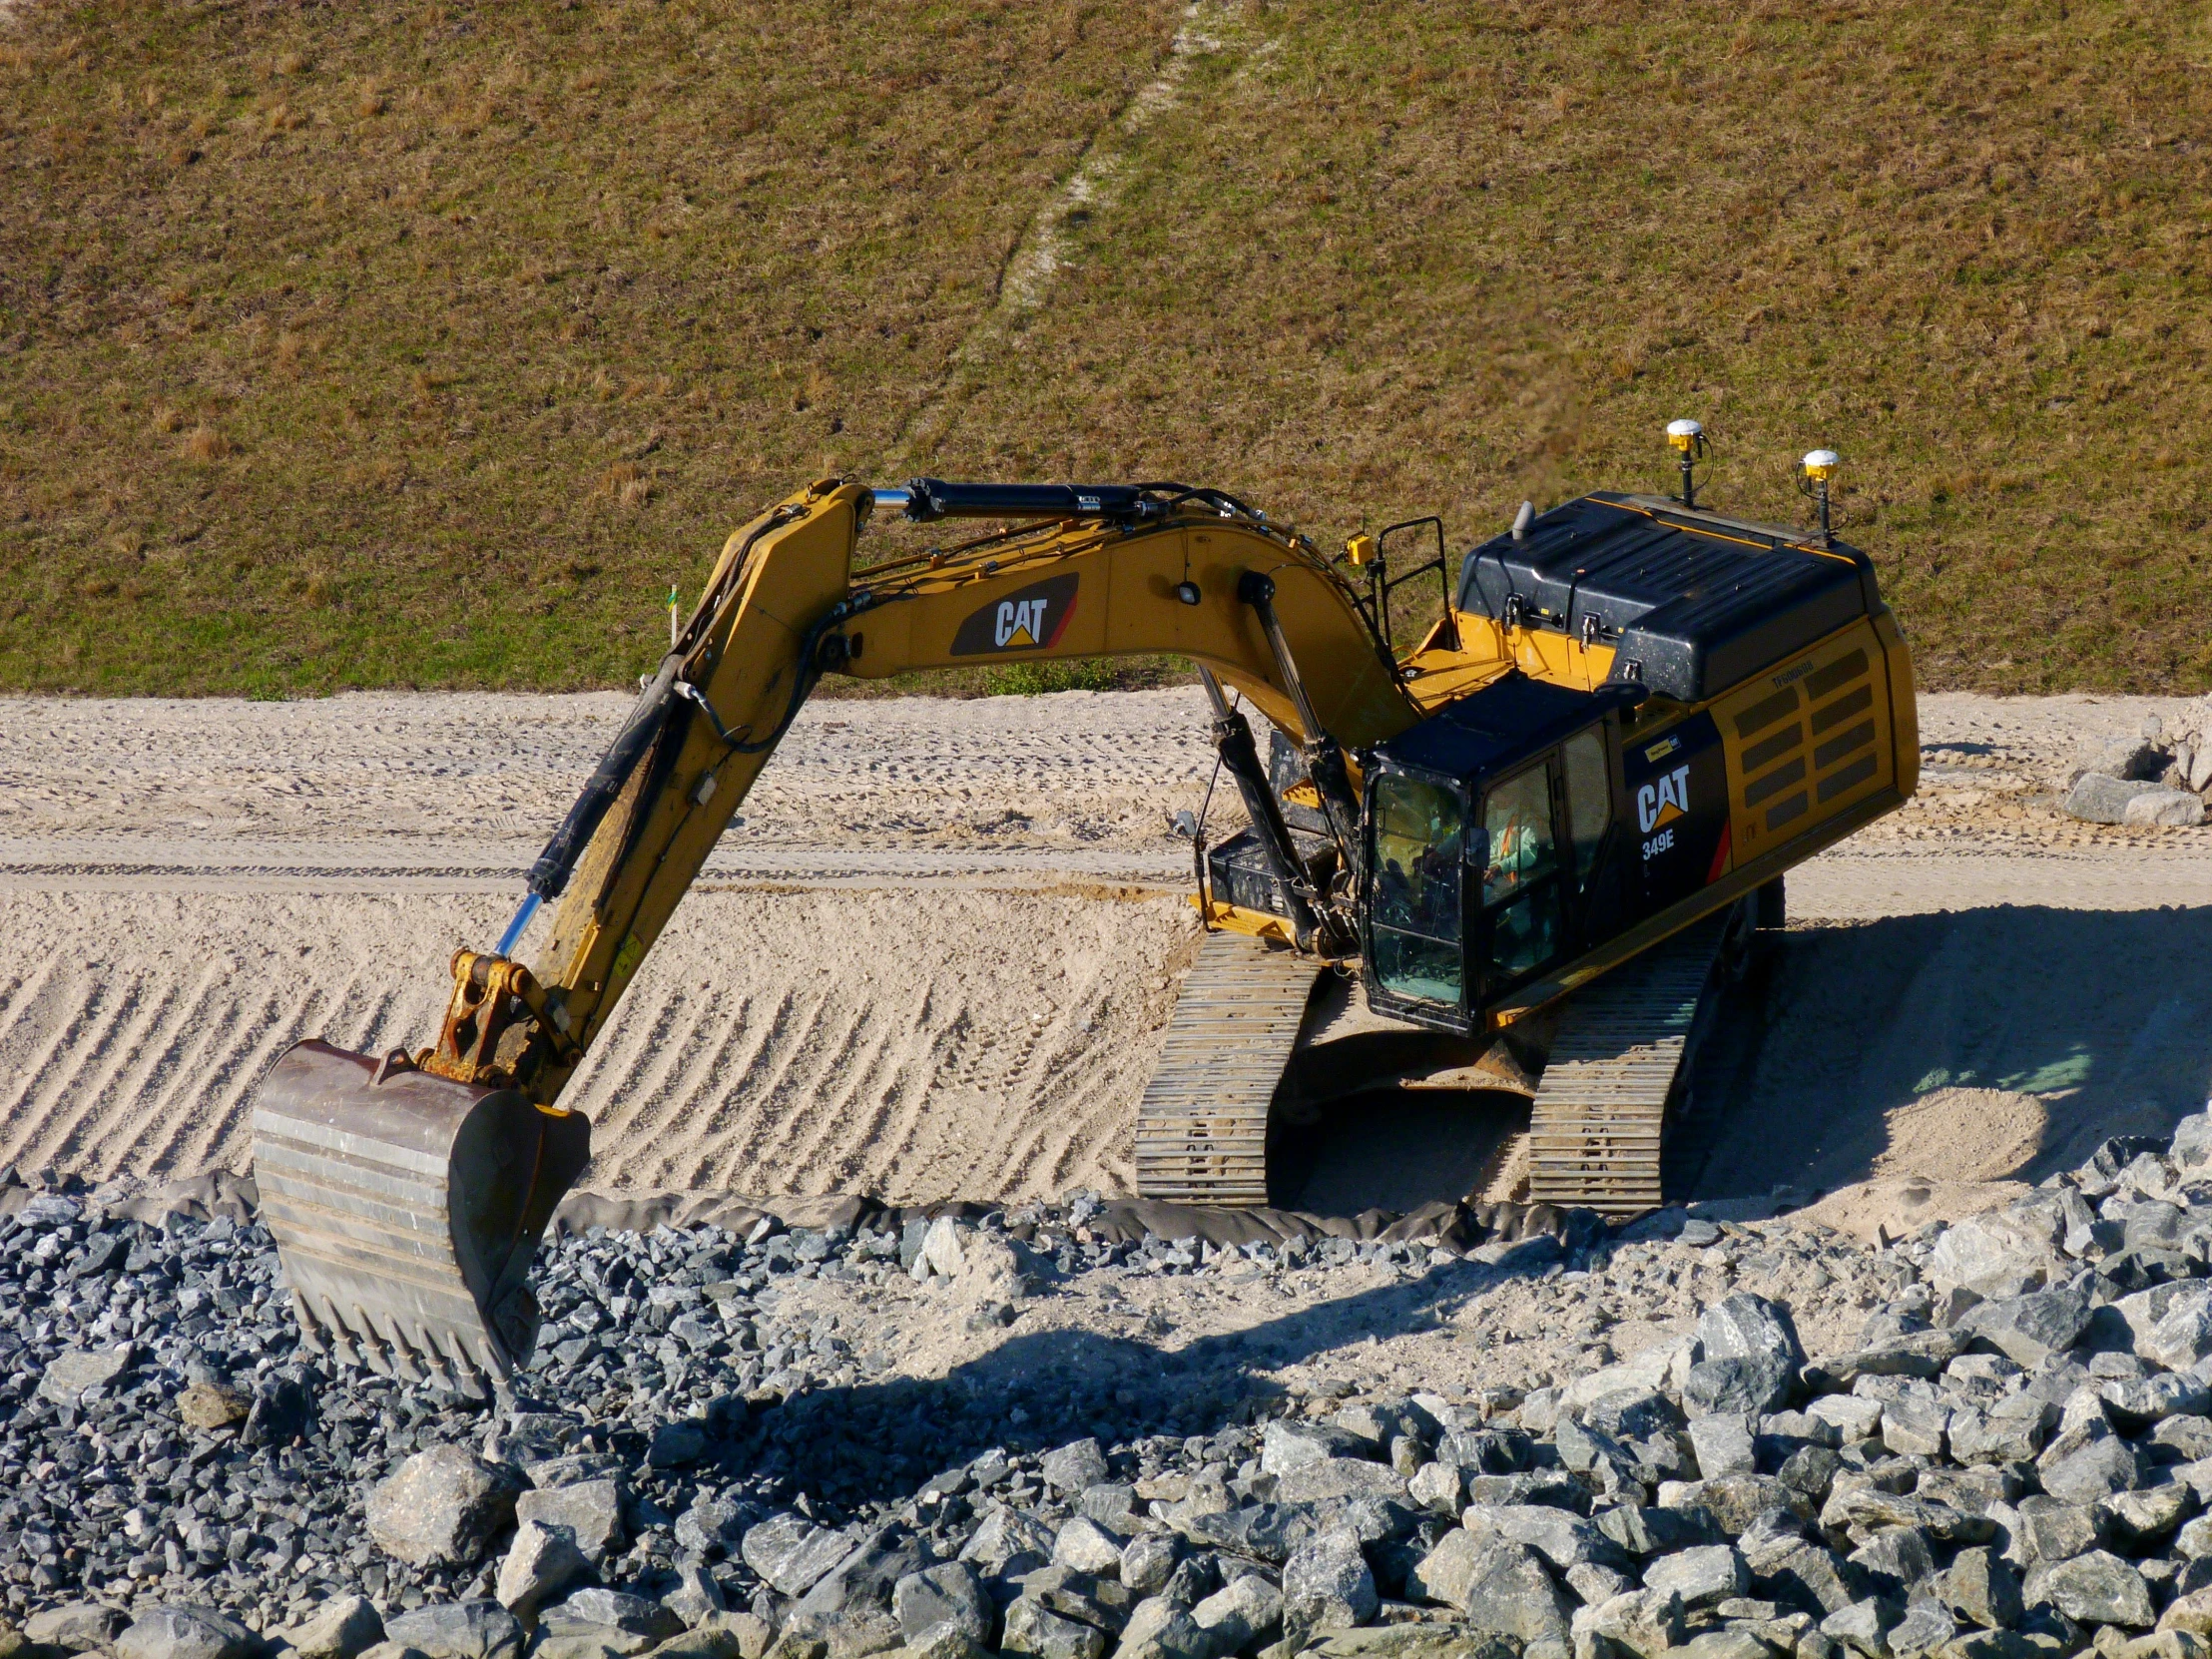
407,1210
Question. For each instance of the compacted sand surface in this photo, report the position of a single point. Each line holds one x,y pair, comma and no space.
935,955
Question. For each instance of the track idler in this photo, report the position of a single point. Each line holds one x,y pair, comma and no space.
407,1210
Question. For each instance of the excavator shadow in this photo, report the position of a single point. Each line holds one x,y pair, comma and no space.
1041,1388
1993,1043
1398,1149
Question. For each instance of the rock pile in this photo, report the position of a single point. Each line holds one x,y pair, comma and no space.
2158,778
2013,1457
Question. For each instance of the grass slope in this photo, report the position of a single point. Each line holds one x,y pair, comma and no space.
428,346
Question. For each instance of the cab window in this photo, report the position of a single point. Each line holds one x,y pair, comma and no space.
1590,799
1419,846
1521,860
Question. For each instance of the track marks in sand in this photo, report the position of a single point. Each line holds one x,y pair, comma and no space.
979,1044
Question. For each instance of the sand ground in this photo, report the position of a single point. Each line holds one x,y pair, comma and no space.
935,955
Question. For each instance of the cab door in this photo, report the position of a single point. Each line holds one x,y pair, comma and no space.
1545,887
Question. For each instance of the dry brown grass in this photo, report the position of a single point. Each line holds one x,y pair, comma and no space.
496,321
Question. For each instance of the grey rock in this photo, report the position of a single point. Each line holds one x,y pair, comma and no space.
1751,1384
2097,798
2180,1340
1558,1535
1595,1584
1113,1505
1723,1446
442,1506
1981,1586
1009,1541
2191,1150
2096,1588
341,1628
2052,1530
1034,1629
1735,1501
457,1630
1328,1585
2028,1330
591,1510
1647,1623
2164,808
1338,1477
711,1526
1897,1560
2140,1519
2135,1402
169,1632
790,1554
863,1582
697,1596
69,1373
1077,1595
1915,1428
1863,1626
1072,1468
1498,1585
1244,1613
1700,1577
1925,1627
540,1564
1747,1326
677,1445
620,1610
1286,1445
1865,1510
2000,1252
1146,1562
949,1593
1855,1418
1088,1547
1158,1630
1643,1531
1806,1575
74,1626
1439,1487
2194,1541
2086,1473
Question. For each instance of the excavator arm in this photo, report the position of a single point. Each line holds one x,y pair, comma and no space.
408,1193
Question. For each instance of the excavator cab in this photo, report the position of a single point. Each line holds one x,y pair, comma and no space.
1490,829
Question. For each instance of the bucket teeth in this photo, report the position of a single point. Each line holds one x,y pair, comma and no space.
406,1209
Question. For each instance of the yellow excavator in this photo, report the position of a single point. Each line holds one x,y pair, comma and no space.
1553,813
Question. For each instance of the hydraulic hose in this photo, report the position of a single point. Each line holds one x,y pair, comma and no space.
549,876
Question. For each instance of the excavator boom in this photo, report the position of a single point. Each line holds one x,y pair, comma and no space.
408,1193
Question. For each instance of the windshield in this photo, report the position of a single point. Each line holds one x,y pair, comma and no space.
1419,834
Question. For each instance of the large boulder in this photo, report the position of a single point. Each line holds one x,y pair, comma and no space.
790,1553
1497,1586
1746,1324
1326,1585
540,1564
1701,1578
164,1632
591,1510
74,1626
1245,1613
458,1630
442,1507
75,1370
1738,1383
2096,1588
2000,1253
2029,1329
947,1595
340,1628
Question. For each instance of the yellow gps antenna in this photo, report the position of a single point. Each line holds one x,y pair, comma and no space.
1815,471
1688,438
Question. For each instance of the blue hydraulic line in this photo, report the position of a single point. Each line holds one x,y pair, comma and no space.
530,902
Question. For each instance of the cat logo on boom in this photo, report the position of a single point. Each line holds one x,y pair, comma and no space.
1028,619
1658,803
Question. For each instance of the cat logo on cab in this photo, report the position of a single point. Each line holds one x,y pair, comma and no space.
1658,803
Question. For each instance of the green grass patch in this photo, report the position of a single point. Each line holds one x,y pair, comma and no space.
427,345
